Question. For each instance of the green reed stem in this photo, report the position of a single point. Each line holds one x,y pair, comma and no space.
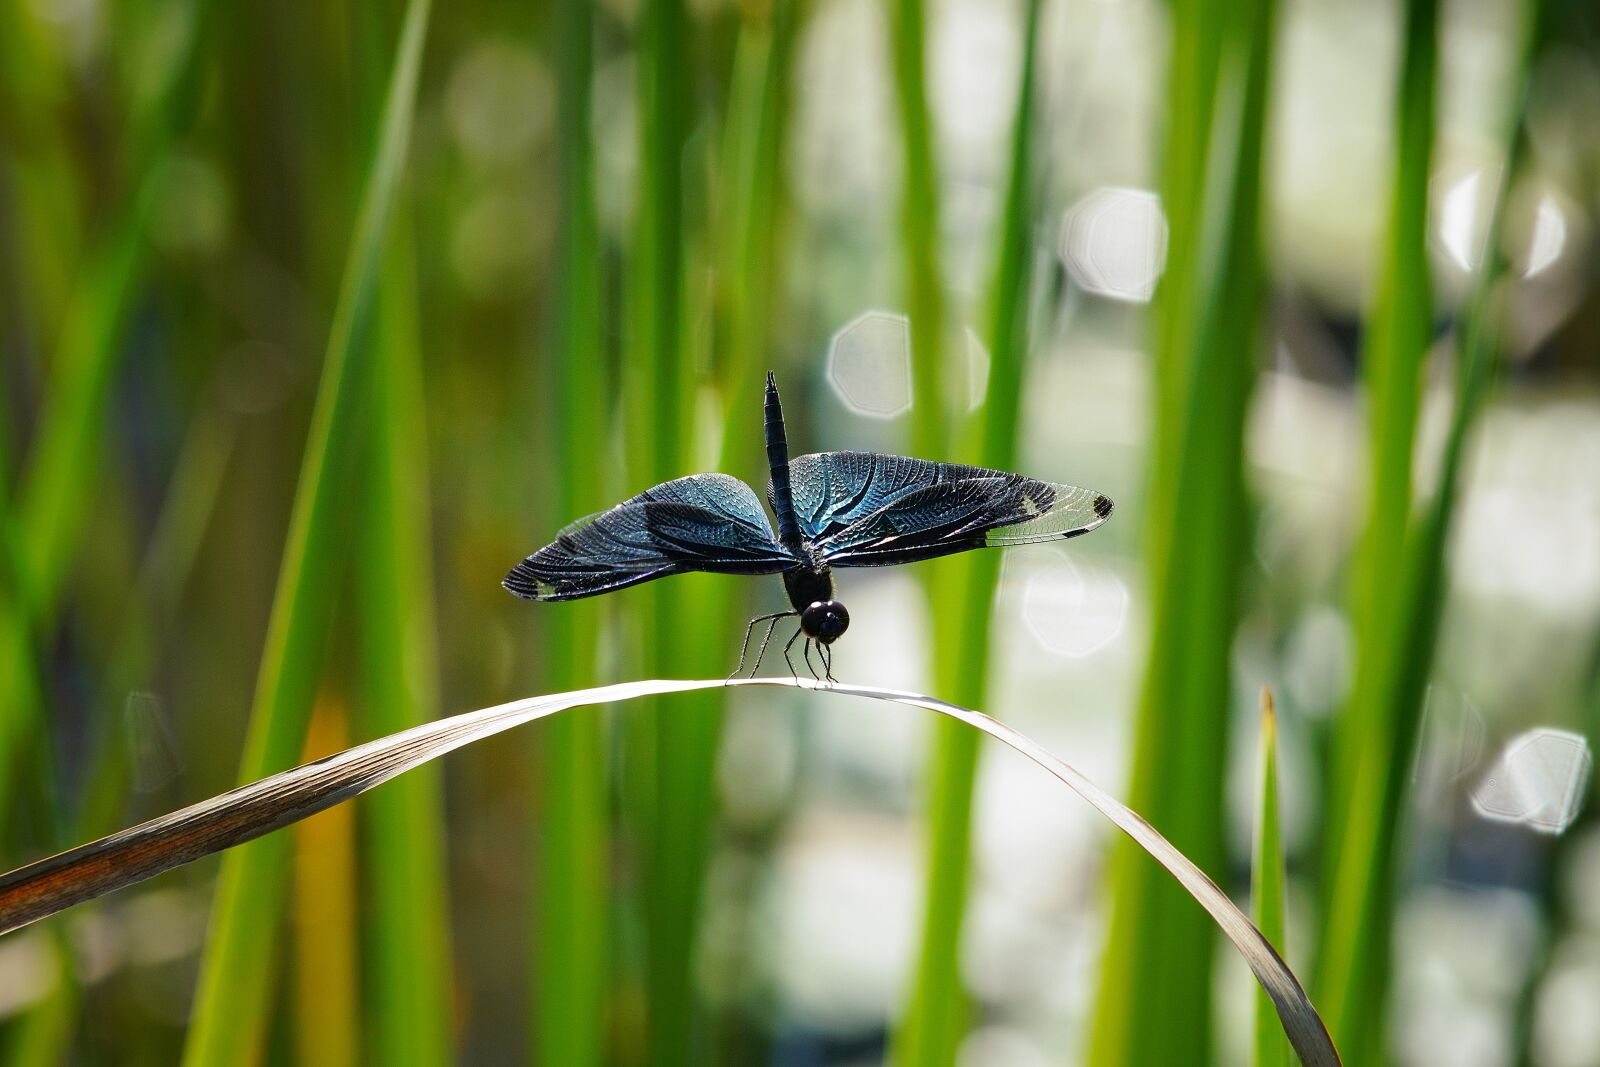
936,1015
1399,330
571,952
671,788
919,228
1267,880
410,962
238,965
1361,913
42,179
1207,338
58,485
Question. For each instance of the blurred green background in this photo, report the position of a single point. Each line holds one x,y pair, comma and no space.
314,318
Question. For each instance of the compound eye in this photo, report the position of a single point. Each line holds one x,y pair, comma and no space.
825,620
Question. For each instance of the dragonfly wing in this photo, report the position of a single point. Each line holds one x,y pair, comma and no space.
834,489
706,522
926,509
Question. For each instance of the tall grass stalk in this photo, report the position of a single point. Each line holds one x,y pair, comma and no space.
61,477
58,485
410,961
23,682
936,1015
670,788
46,1025
749,214
657,368
1360,917
1267,879
919,227
925,307
1207,337
570,961
238,965
1351,963
751,266
1198,30
750,239
46,216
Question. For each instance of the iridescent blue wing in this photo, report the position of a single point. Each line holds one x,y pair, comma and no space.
863,509
706,522
833,489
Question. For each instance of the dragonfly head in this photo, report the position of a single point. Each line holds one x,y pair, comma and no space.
825,620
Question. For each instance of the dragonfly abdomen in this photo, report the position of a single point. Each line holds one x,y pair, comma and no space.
778,462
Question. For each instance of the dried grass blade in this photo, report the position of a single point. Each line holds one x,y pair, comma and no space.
51,885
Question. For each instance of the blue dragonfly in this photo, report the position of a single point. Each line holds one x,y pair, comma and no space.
833,509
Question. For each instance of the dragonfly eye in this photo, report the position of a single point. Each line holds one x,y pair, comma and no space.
825,620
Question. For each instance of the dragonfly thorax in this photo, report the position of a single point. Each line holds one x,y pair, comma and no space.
810,589
808,584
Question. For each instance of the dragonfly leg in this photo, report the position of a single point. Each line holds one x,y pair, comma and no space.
766,638
809,667
744,649
792,672
826,653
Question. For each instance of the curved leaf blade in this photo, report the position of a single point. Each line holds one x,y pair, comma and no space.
56,883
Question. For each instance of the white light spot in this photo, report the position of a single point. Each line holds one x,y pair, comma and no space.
977,370
755,768
1461,956
975,53
162,926
1114,243
1549,237
845,900
29,971
992,1046
1463,225
1074,611
1566,1028
1538,781
1458,222
500,102
869,364
1317,660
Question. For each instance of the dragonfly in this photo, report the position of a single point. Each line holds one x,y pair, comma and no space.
833,509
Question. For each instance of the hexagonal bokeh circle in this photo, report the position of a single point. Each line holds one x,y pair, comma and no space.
1114,243
1538,780
1074,611
869,364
